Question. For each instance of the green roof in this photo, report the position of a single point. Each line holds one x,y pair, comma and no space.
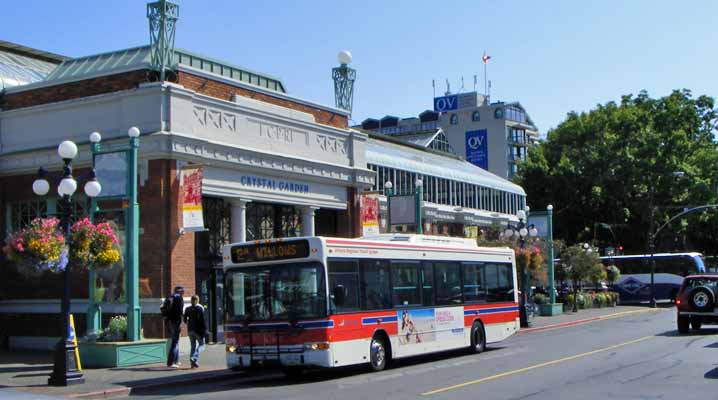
139,58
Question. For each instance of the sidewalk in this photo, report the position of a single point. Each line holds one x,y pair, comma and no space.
29,370
566,319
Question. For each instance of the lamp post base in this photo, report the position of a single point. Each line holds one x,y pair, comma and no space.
65,371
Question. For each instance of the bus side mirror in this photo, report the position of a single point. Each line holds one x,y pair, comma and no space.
339,295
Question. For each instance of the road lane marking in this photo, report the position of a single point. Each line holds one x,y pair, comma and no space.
541,365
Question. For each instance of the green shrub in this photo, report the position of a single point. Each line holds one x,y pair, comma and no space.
581,300
540,298
116,330
588,301
569,299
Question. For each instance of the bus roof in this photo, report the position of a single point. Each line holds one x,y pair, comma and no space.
657,255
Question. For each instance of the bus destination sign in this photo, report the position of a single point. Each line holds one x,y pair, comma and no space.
270,251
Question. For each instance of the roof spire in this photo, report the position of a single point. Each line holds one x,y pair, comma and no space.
163,16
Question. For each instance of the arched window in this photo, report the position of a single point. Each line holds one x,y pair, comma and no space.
499,113
454,120
476,116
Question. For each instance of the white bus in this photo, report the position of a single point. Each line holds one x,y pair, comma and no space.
327,302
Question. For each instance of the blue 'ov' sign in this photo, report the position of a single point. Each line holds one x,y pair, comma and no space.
477,148
446,103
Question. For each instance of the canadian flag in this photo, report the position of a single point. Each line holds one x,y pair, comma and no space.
485,58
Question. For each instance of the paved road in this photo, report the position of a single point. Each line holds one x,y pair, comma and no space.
632,357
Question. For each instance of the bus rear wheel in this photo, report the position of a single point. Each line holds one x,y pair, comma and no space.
377,354
478,337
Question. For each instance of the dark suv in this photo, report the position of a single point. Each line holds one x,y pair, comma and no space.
696,302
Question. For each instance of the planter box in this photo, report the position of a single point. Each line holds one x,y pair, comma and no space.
549,310
122,354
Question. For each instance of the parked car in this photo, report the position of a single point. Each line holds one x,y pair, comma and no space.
696,302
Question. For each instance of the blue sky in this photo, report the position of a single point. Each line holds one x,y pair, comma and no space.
552,56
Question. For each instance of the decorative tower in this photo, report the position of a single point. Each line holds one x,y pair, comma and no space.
163,17
344,78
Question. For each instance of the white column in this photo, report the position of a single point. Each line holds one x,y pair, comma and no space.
308,220
239,220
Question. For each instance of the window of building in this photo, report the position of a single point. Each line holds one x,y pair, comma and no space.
405,283
21,213
346,274
260,221
375,288
499,113
454,119
441,143
476,116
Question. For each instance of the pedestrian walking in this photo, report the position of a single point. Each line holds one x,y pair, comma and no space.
196,328
172,312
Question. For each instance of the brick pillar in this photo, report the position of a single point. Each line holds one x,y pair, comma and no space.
181,245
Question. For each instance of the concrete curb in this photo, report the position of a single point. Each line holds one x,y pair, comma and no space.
587,320
210,376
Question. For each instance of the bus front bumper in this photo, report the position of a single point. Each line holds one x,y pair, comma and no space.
286,356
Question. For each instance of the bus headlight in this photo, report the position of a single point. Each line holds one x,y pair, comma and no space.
231,348
316,346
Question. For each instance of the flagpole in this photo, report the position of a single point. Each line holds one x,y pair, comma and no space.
486,88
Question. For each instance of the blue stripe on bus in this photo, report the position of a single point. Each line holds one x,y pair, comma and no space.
374,320
317,324
490,310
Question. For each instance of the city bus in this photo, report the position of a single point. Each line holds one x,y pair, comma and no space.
634,285
328,302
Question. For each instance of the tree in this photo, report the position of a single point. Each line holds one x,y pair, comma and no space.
612,274
607,165
578,263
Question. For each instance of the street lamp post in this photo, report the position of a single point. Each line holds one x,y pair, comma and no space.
65,370
521,231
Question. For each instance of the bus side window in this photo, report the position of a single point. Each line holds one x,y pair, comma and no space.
474,290
499,282
427,284
375,287
405,283
448,283
344,273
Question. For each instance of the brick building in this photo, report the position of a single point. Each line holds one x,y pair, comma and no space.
274,165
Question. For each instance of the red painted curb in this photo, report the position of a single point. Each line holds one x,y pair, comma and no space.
560,325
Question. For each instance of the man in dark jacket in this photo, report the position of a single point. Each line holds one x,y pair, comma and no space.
196,328
172,309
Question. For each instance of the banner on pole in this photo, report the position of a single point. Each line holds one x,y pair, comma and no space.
191,190
369,214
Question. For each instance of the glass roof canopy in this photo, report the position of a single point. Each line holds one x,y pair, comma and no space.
18,69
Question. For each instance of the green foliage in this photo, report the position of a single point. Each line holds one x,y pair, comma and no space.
608,164
612,274
116,330
540,298
579,264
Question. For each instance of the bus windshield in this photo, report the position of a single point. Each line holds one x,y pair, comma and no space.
277,292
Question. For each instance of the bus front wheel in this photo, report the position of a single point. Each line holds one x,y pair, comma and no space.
478,337
377,353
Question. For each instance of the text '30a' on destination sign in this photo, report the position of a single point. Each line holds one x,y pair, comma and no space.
246,253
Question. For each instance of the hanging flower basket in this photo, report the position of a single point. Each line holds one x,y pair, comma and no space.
38,248
93,244
535,259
